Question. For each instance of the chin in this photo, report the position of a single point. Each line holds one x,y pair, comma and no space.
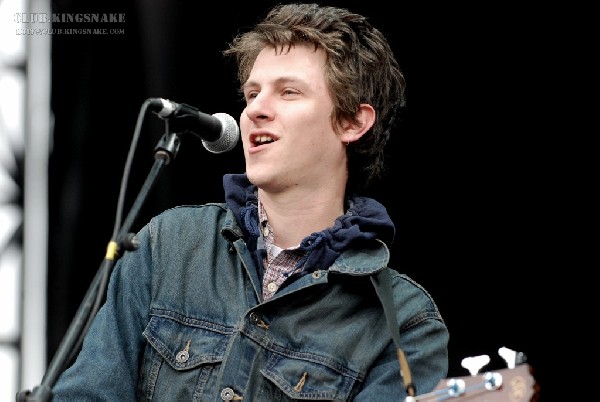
266,181
254,178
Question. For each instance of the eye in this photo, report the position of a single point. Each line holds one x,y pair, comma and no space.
251,95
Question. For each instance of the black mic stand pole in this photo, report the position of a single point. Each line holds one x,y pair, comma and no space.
165,151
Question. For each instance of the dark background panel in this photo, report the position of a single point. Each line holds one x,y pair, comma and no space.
467,184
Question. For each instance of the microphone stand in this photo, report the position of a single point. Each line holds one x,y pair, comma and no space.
165,151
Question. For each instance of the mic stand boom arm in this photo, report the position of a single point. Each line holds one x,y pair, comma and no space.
165,151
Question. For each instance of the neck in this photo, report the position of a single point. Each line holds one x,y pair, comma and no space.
293,217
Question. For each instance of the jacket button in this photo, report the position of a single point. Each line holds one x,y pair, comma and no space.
254,318
227,394
182,356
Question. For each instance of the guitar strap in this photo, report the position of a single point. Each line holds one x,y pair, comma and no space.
382,281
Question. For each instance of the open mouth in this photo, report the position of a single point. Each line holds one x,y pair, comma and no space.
262,139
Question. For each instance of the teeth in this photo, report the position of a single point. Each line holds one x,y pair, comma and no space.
263,139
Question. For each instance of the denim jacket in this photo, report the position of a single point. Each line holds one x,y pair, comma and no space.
184,318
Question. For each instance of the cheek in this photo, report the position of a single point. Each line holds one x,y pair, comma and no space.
244,122
244,127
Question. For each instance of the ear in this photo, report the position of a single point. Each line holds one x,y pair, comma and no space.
365,117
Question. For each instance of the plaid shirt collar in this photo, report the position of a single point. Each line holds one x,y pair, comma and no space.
279,263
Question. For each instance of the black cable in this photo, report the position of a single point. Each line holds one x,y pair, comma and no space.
114,248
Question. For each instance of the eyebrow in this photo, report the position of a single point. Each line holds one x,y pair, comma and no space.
279,80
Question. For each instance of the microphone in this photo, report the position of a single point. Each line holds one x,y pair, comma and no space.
219,132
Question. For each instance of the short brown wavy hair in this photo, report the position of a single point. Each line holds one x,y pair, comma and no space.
360,68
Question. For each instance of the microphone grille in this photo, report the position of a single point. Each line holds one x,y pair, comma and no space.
229,137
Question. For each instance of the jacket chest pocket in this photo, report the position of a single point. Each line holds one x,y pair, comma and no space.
182,358
305,377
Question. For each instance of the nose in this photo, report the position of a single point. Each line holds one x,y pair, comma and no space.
259,108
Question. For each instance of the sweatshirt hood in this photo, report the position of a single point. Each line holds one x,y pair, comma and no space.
365,221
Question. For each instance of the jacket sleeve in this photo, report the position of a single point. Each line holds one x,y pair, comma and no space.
424,340
106,368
